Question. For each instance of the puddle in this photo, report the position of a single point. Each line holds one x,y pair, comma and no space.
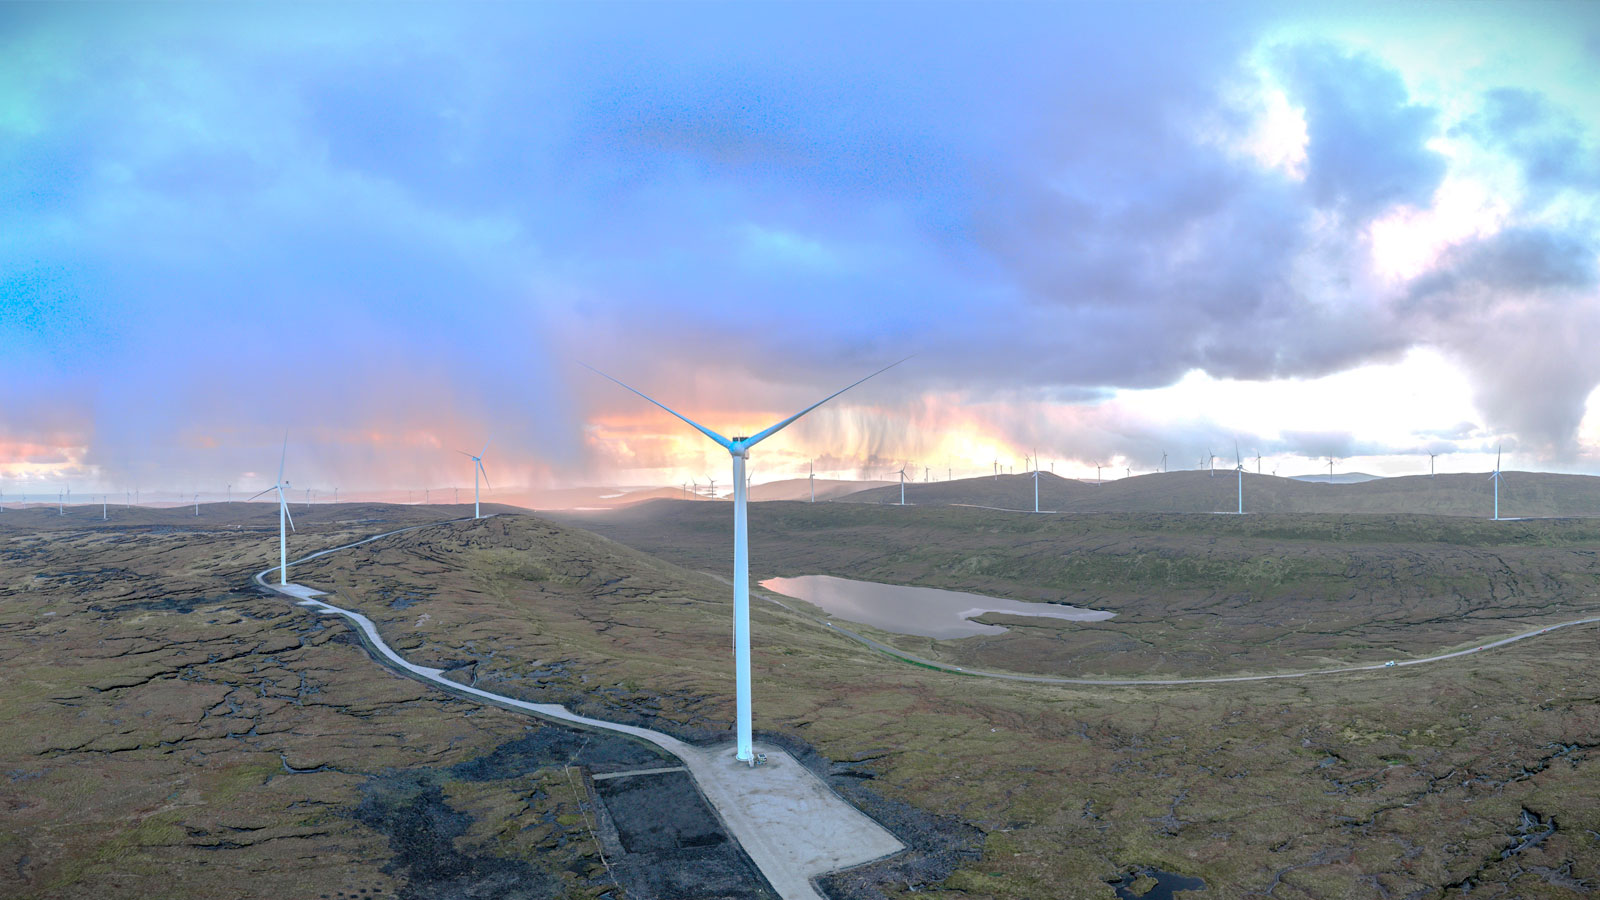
929,612
1166,883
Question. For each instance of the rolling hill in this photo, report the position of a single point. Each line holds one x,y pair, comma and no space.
1533,494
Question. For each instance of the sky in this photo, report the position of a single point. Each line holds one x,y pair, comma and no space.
1105,234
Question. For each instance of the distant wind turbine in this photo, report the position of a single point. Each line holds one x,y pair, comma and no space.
1238,468
1211,463
478,469
813,477
1495,477
739,449
1036,481
1163,461
1330,470
1258,462
284,517
997,469
103,515
1430,464
902,474
197,504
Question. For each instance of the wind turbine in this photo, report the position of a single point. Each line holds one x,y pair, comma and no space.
283,516
1258,462
739,448
902,474
1036,482
478,469
1163,461
813,477
1211,463
103,516
1430,464
197,504
1238,468
997,469
1097,468
1495,477
1330,470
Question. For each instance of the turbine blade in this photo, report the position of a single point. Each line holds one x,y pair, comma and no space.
485,474
284,502
485,446
761,436
726,444
267,491
284,457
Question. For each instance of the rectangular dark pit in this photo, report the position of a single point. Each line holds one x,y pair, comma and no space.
662,811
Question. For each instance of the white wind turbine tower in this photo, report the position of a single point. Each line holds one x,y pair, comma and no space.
1330,470
1258,462
1495,477
902,474
997,469
197,504
284,517
1211,463
1163,461
103,516
1035,481
813,477
1430,464
1238,468
739,449
478,469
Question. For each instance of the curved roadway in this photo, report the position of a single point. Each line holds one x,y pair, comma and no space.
789,822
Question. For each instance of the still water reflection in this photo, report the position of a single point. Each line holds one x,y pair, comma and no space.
929,612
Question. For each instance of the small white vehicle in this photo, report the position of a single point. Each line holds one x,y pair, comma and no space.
1389,664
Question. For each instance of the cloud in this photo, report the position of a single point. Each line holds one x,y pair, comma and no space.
393,236
1367,138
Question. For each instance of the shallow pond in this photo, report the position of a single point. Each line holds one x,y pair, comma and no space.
1166,883
929,612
